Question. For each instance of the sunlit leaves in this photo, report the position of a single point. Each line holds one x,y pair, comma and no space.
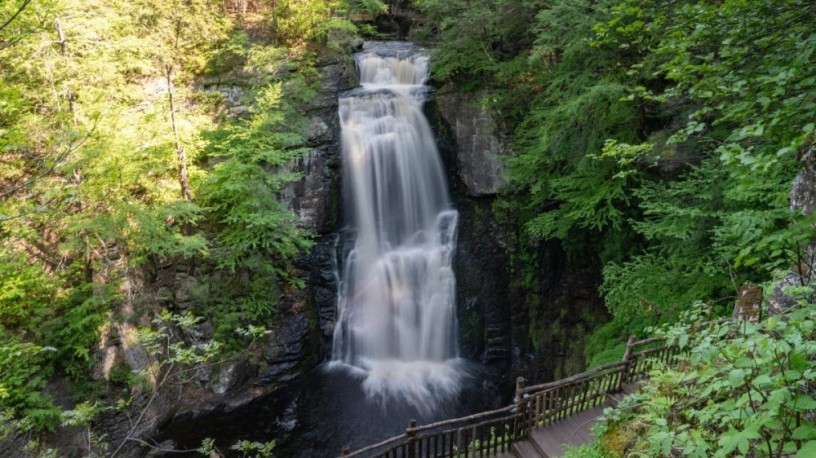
89,187
22,375
739,388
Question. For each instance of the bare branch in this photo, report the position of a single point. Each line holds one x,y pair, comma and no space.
14,16
72,146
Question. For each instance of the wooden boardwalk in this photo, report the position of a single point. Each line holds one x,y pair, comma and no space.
550,442
542,420
575,430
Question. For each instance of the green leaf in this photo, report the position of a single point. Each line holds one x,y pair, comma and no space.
804,402
807,451
792,376
743,362
804,432
762,380
736,377
798,361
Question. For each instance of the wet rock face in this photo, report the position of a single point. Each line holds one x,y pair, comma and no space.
314,198
803,191
234,374
483,282
803,198
323,288
287,348
289,341
522,309
311,198
486,301
478,148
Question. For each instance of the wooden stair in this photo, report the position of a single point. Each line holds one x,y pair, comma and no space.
576,430
527,449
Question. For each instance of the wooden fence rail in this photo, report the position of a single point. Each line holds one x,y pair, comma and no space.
490,433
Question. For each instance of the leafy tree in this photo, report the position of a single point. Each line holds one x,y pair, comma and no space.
186,31
661,136
105,138
23,374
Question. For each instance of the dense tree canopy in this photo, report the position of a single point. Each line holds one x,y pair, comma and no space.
662,136
116,158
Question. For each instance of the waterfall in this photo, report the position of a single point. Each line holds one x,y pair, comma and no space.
396,322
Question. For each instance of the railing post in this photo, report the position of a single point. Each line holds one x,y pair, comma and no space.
521,383
521,428
627,359
411,435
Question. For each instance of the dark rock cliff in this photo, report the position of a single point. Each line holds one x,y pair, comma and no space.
524,308
316,199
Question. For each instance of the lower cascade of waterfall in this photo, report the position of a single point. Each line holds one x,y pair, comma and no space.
396,320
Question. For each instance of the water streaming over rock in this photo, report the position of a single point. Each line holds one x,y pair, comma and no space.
396,321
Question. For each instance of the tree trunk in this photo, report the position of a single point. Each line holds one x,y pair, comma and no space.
88,270
64,53
182,155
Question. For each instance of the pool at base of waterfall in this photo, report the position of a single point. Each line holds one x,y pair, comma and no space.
321,412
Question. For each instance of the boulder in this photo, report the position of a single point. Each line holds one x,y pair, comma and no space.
802,198
234,374
289,342
478,146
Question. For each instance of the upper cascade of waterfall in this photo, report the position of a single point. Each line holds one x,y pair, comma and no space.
388,71
395,66
396,301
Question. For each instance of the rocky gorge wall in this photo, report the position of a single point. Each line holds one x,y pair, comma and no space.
524,308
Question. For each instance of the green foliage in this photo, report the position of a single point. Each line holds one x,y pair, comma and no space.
651,290
301,20
257,238
479,40
23,374
82,416
662,136
75,332
588,451
25,292
251,449
738,387
242,192
371,7
181,33
161,342
90,194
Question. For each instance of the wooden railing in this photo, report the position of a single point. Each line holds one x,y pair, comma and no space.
489,433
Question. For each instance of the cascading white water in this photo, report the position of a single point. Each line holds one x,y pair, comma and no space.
396,316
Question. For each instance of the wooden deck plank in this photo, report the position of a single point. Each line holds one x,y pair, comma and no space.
615,398
503,455
574,430
525,449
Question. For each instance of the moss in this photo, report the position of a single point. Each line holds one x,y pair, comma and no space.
618,439
120,374
474,329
